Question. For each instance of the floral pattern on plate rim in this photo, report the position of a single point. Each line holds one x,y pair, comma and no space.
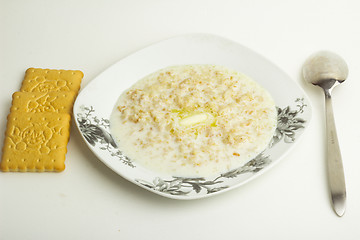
96,133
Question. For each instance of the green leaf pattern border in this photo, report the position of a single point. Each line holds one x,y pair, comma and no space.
96,132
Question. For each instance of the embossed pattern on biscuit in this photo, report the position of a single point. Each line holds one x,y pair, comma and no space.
45,80
38,126
35,142
42,102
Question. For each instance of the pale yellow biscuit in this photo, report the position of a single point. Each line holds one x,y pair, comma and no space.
43,102
45,80
35,142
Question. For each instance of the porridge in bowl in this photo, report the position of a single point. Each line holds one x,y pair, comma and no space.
193,120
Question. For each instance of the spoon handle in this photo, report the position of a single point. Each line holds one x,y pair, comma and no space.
335,168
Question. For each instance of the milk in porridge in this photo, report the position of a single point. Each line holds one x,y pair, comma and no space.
193,120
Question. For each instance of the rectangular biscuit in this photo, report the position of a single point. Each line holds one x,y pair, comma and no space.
42,102
35,142
45,80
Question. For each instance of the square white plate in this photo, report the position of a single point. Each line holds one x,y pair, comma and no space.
95,103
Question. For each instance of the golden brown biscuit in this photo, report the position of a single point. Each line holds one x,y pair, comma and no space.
41,102
45,80
35,142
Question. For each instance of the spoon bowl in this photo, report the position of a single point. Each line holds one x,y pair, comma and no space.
327,70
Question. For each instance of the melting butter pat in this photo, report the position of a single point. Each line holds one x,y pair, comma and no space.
194,120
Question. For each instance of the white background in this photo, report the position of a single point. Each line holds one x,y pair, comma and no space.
89,201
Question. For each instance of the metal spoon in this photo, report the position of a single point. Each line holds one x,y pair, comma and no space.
327,70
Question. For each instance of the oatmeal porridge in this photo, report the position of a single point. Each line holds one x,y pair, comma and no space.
193,120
